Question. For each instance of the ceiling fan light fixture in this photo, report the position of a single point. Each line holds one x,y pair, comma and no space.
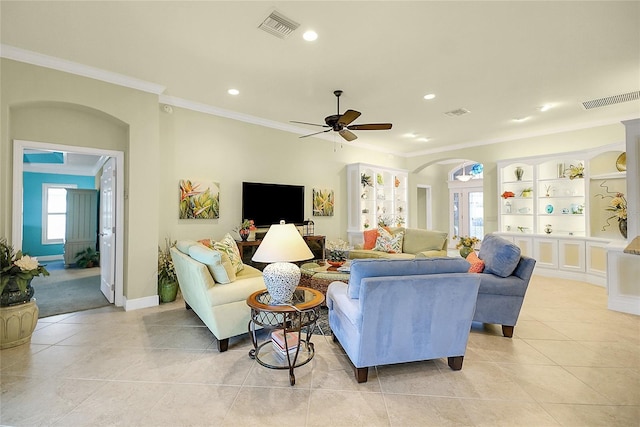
233,92
429,96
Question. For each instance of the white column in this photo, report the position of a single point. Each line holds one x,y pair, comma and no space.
632,128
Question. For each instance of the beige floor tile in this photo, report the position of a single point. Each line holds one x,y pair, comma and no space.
495,413
594,415
42,401
484,380
621,386
212,367
335,372
421,378
553,384
117,403
535,330
425,411
346,408
269,406
504,350
573,353
192,405
570,362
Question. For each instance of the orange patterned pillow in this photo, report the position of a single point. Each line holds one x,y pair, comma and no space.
370,237
477,265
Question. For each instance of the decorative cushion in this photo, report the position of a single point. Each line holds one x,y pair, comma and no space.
418,240
477,265
229,246
370,237
184,245
387,242
500,256
217,262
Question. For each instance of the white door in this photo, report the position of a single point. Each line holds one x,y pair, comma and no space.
467,212
108,229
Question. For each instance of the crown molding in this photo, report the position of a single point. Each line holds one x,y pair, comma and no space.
34,58
246,118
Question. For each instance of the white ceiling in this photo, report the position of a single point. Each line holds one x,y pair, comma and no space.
499,60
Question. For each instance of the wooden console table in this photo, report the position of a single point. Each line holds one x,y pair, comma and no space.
248,247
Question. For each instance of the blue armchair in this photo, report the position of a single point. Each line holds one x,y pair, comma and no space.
503,283
396,311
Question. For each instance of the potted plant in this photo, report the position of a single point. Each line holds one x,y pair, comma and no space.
88,258
245,229
466,244
337,252
167,278
18,310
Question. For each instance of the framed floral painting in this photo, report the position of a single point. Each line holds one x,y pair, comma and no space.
199,199
323,202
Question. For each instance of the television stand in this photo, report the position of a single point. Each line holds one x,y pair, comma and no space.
248,247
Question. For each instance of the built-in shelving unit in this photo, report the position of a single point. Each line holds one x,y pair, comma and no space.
375,194
562,221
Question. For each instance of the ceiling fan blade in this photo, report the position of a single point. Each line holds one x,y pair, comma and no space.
371,126
310,124
348,117
349,136
315,133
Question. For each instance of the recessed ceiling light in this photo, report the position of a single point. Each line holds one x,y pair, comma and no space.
520,119
233,92
545,107
429,96
310,35
423,139
409,135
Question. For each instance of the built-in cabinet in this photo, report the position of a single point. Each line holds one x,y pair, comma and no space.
555,209
376,195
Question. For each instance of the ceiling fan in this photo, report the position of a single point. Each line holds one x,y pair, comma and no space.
341,123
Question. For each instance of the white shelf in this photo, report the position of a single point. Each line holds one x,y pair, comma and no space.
612,175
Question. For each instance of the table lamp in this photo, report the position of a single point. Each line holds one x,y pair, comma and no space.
281,245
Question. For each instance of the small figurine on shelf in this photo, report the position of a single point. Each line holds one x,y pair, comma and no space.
548,189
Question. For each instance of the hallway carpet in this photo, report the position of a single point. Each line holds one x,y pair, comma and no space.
68,296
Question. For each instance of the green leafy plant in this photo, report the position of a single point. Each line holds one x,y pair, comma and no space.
166,269
14,265
88,258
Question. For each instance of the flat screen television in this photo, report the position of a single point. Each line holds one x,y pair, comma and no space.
267,204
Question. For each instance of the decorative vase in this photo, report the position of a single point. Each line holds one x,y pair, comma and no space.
167,290
17,323
519,172
13,295
465,251
622,226
548,229
244,234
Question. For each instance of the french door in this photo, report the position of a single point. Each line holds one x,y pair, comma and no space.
466,216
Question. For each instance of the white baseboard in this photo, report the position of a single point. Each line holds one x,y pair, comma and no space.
50,258
138,303
578,276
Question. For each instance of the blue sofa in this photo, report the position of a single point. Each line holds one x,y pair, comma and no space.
503,283
395,311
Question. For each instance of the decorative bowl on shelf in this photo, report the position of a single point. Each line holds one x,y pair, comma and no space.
524,210
549,209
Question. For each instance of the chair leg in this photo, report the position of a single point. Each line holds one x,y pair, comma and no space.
223,345
507,331
455,362
361,374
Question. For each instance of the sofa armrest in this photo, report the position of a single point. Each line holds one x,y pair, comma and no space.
432,254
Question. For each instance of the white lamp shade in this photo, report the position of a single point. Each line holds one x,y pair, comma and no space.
283,243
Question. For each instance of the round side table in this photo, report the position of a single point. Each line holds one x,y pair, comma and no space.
301,314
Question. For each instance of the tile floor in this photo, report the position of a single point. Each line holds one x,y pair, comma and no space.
571,362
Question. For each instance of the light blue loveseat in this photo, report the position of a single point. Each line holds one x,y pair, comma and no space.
395,311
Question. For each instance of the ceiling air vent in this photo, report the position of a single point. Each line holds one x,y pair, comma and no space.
457,112
278,25
610,100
